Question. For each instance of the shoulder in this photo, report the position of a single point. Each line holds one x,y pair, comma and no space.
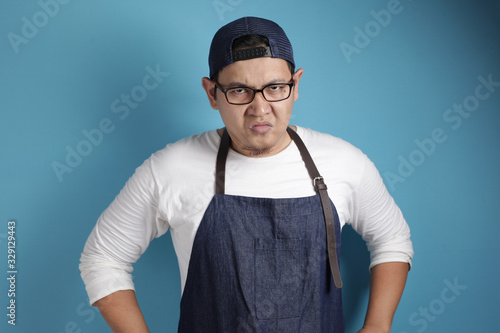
321,144
187,160
195,148
337,159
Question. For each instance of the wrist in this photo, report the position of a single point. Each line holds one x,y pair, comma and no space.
367,328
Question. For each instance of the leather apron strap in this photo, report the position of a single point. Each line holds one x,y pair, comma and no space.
319,186
220,168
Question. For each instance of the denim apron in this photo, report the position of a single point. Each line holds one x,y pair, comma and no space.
263,265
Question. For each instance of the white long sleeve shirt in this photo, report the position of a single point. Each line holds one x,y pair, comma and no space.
173,188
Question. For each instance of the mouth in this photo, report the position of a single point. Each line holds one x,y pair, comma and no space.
260,127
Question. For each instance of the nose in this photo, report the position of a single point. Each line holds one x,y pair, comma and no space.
259,106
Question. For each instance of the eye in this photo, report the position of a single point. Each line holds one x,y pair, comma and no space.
239,91
277,89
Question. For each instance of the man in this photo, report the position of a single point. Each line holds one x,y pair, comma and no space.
255,233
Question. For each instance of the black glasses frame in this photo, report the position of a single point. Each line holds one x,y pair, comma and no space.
255,91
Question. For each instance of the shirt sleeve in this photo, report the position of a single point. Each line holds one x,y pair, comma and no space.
122,234
379,221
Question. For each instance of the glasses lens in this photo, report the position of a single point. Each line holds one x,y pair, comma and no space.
276,92
239,95
272,93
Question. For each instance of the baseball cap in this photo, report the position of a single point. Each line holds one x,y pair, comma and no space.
221,49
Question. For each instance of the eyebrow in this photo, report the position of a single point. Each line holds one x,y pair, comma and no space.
235,84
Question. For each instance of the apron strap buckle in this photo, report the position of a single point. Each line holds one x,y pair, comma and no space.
319,184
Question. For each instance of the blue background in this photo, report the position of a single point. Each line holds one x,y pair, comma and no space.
61,78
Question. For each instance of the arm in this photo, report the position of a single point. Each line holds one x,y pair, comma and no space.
382,225
122,313
121,235
387,282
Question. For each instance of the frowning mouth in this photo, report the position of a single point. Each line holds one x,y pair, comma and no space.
260,127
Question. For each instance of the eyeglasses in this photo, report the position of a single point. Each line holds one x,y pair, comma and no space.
244,95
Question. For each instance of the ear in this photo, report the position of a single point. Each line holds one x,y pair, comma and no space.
296,78
209,86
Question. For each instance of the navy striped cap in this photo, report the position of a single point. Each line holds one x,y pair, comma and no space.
221,53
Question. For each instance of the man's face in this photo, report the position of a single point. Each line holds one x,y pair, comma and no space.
259,128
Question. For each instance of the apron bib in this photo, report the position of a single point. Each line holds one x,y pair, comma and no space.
263,265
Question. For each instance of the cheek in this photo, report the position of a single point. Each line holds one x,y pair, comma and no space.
286,111
230,117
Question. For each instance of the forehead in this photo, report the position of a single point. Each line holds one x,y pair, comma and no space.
255,72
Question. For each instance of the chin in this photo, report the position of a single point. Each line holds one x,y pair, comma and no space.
260,152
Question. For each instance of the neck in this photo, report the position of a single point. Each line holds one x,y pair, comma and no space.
262,152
